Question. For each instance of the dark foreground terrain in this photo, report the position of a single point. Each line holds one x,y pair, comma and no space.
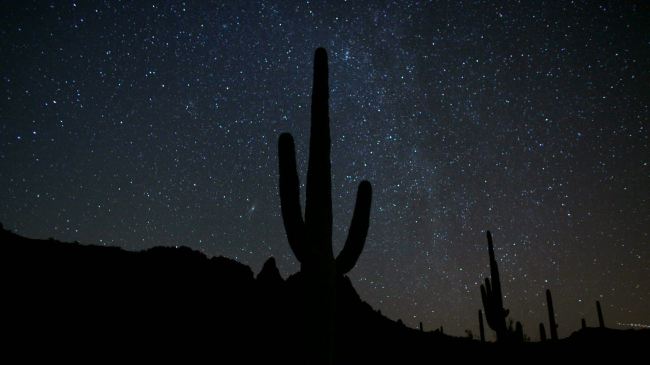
66,300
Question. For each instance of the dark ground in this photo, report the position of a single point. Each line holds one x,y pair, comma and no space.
73,301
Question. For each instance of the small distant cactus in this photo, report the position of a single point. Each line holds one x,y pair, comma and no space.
601,321
492,298
542,332
519,332
421,327
551,315
583,323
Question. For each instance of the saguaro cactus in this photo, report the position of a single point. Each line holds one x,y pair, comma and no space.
601,322
519,332
311,238
551,315
492,298
542,332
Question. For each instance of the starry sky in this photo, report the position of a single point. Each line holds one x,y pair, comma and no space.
156,123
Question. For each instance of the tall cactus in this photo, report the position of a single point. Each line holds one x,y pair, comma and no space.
480,325
310,238
542,332
601,321
492,298
551,315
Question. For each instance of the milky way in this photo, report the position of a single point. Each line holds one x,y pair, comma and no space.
141,124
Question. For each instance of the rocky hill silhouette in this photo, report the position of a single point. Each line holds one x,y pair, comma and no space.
62,298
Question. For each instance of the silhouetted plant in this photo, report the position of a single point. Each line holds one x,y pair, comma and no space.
542,332
480,325
469,334
583,322
519,332
492,298
551,315
601,322
421,327
311,238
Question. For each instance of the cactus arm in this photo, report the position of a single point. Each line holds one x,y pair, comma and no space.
358,230
489,293
484,299
290,197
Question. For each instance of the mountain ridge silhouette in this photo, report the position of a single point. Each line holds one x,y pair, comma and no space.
175,299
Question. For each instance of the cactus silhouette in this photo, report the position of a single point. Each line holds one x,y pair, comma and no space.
551,315
583,323
310,238
519,332
601,322
542,332
492,298
480,325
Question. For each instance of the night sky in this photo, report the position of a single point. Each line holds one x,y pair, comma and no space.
156,123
